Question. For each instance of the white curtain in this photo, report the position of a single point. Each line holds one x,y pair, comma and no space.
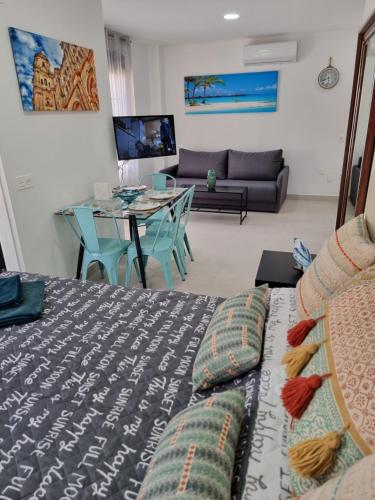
122,91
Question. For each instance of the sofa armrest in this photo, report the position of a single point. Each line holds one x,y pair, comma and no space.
170,170
282,186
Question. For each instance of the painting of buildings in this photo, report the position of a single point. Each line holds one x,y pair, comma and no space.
53,75
231,93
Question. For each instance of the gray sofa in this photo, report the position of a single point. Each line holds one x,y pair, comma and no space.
264,174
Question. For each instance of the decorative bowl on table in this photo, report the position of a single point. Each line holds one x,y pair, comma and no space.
128,193
127,196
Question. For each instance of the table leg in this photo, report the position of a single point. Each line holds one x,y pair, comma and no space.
80,259
135,235
243,209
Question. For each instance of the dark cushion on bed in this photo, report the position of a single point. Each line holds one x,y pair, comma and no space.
30,309
263,166
233,340
195,456
10,291
197,163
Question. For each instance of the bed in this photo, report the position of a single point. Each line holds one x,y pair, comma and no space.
87,391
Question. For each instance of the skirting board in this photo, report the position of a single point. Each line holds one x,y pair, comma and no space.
314,197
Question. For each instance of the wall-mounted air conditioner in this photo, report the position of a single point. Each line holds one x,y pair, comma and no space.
266,53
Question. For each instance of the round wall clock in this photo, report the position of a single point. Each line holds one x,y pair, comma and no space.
329,76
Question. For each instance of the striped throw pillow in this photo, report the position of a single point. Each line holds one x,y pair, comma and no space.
233,340
195,456
348,251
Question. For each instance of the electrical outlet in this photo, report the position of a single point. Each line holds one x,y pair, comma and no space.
322,171
330,178
24,182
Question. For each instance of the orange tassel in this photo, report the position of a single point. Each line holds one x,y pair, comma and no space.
299,332
297,358
315,457
298,392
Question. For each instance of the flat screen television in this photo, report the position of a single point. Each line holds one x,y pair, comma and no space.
144,136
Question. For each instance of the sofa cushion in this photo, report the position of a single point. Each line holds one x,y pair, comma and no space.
345,253
344,400
195,456
233,341
197,163
258,191
254,166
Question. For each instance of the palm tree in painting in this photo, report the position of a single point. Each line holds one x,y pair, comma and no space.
209,82
189,80
197,82
192,84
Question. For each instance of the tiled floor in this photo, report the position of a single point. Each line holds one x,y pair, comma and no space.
227,254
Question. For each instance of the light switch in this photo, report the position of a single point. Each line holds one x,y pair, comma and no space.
24,182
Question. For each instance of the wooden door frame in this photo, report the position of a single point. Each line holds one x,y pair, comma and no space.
364,35
10,243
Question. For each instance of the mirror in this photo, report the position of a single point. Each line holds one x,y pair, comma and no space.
360,138
361,130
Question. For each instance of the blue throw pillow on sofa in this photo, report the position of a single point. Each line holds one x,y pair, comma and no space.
263,166
196,164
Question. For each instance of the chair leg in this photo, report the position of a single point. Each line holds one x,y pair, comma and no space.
187,244
181,254
84,269
112,272
136,265
180,266
128,273
166,266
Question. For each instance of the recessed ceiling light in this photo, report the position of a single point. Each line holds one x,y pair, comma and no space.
231,16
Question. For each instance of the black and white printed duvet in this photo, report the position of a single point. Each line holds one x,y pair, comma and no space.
87,391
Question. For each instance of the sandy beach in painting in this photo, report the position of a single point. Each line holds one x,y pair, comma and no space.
227,106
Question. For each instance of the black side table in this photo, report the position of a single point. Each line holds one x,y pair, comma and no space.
277,269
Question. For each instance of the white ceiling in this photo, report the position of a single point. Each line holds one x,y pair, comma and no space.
187,21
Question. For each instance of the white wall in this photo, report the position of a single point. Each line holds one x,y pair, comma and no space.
65,152
369,9
310,124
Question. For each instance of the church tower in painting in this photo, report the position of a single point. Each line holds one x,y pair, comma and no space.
43,84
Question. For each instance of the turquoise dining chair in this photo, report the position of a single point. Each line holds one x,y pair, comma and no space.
159,181
181,238
106,251
161,245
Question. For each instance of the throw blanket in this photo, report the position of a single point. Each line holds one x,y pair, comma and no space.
30,297
87,390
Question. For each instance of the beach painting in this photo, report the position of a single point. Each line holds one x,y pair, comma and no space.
53,75
231,93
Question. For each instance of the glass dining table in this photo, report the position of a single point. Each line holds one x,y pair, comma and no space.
116,208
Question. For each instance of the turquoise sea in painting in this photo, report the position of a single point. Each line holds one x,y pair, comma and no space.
231,93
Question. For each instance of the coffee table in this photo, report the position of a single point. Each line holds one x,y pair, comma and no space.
278,270
225,200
